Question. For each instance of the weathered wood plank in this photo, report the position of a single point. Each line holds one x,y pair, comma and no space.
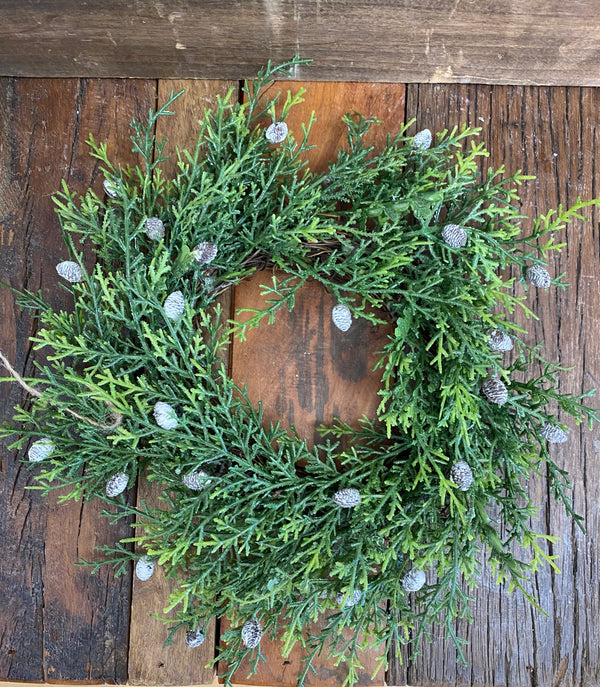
303,370
549,42
150,663
56,621
551,133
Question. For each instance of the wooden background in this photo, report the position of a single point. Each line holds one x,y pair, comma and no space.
57,622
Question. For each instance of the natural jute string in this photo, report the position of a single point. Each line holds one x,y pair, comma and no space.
38,394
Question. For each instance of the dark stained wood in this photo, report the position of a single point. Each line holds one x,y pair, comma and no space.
151,663
549,42
57,621
551,133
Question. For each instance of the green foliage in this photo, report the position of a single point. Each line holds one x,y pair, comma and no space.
264,539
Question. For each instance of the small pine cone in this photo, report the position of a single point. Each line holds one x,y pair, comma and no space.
117,484
499,340
553,434
422,140
174,305
538,276
155,229
205,252
277,132
194,638
347,498
196,480
461,475
40,450
351,600
251,633
413,580
165,415
342,317
111,190
70,271
454,235
494,391
144,568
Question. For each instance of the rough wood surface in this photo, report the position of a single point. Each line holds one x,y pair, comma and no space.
548,42
150,662
57,621
551,133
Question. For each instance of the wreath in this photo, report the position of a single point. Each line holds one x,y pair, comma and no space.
378,528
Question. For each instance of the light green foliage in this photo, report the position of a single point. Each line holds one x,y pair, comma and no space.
264,539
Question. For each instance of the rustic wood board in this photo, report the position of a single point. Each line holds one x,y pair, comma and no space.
549,42
56,621
509,642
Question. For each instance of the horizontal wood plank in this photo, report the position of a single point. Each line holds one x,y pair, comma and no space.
548,42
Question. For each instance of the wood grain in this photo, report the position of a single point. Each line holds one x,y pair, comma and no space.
56,621
510,643
549,42
150,662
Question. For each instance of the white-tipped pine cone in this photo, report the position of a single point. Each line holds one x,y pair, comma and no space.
538,276
196,480
342,317
40,450
116,484
422,140
165,415
251,633
155,229
413,580
461,475
553,434
351,600
499,340
495,391
277,132
174,305
111,190
70,271
454,235
194,638
205,252
347,498
144,568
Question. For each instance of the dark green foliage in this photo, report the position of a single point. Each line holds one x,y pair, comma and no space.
264,538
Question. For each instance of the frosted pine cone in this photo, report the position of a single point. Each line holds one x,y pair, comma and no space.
117,484
342,317
174,305
70,271
499,341
144,568
165,415
351,600
347,498
194,638
454,235
461,475
205,252
538,276
155,229
40,450
251,633
413,580
553,434
422,140
196,480
111,190
495,391
277,132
